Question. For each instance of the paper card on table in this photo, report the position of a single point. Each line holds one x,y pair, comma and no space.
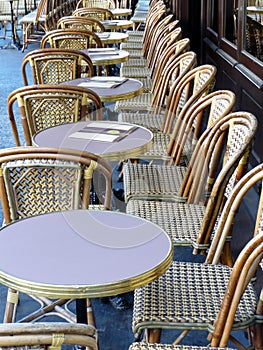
106,132
103,83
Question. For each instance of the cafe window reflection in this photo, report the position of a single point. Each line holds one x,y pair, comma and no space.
254,28
214,15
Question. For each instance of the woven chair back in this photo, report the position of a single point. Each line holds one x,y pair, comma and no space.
36,180
70,39
98,13
80,23
44,106
196,83
55,66
106,4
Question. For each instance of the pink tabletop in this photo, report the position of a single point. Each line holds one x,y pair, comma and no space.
88,253
135,143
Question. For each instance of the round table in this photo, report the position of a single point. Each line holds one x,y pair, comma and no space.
102,57
109,38
136,141
90,254
121,12
117,24
123,89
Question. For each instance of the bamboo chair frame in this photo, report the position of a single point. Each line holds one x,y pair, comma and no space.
80,23
237,283
205,185
70,39
98,13
108,4
154,101
65,178
55,66
41,106
47,335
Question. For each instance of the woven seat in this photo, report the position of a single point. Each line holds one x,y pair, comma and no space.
203,191
210,296
37,180
46,335
55,66
71,39
166,47
173,70
155,346
43,106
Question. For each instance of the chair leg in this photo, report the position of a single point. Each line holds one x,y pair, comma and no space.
154,335
90,313
11,305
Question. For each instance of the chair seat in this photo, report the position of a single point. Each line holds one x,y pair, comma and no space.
131,72
131,46
148,120
181,221
152,180
141,102
135,62
189,296
154,346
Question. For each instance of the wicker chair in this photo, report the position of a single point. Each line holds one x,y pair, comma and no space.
43,106
211,297
146,75
81,23
161,180
37,180
107,4
190,217
155,100
46,335
156,346
70,39
55,66
148,67
98,13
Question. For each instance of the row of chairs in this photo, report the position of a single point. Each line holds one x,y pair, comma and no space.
194,196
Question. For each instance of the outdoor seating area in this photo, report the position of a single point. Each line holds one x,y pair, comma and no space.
131,214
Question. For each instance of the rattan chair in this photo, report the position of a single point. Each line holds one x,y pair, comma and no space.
155,100
211,297
81,23
161,180
157,346
218,162
108,4
71,39
99,13
43,106
36,180
55,66
46,335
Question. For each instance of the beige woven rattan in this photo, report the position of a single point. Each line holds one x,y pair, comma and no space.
178,147
160,54
108,4
80,23
210,296
156,346
189,219
55,66
35,180
43,106
46,335
70,39
98,13
155,100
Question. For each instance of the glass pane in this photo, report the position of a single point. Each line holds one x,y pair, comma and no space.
214,15
254,28
231,20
